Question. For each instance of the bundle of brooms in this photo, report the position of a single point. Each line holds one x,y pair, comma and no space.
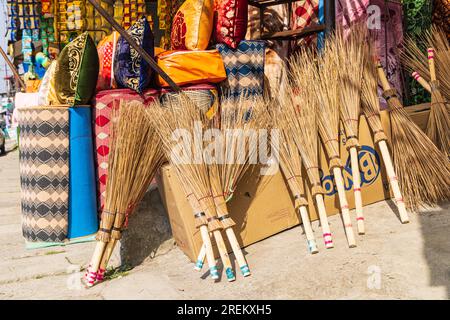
370,107
135,156
233,156
324,83
180,119
423,170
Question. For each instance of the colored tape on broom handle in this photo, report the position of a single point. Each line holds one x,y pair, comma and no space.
135,46
344,207
327,238
312,247
431,64
224,255
95,262
393,181
210,260
201,258
237,252
421,81
357,190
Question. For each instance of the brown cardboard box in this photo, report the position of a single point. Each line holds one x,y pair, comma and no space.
262,205
419,114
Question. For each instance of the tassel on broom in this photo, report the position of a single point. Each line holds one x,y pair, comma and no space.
370,107
438,126
135,156
174,121
301,101
349,55
324,83
423,170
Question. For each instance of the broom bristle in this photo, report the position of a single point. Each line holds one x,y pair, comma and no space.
349,54
185,155
438,126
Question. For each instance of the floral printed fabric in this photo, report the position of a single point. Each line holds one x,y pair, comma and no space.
231,23
130,70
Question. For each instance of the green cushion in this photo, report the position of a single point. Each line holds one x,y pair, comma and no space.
77,71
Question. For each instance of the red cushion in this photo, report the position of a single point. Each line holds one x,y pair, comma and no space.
231,25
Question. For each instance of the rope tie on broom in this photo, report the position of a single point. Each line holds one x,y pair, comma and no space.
227,216
389,94
199,215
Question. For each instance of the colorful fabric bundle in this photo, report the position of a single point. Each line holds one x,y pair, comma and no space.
304,13
192,25
105,101
27,48
231,24
13,19
132,11
130,70
76,71
44,173
441,15
191,67
75,12
106,50
244,67
47,34
46,7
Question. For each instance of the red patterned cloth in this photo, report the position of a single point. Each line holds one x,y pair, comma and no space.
105,101
231,24
304,13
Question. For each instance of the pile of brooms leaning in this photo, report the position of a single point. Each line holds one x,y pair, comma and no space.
319,93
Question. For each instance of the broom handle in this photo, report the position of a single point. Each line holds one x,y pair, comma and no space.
382,76
431,64
243,266
224,255
421,81
91,275
209,252
344,207
312,247
105,259
324,221
357,190
393,180
201,258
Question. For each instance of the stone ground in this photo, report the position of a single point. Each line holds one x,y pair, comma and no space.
392,261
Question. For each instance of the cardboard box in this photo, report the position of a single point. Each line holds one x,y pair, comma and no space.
419,114
262,205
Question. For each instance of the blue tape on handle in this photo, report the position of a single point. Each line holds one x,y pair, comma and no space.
83,219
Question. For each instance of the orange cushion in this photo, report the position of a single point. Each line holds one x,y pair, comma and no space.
191,67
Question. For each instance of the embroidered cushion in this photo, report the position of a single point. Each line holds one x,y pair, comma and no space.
106,49
231,25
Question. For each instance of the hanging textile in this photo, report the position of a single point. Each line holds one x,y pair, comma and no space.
304,13
13,20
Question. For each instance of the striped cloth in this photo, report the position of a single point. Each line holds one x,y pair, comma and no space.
44,173
244,67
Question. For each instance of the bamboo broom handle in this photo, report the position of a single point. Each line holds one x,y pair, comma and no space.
243,266
105,259
312,247
431,64
421,81
209,252
393,180
382,76
224,256
327,237
91,275
344,207
357,190
201,258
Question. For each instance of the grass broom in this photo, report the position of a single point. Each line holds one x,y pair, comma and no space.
349,55
291,163
135,156
416,75
370,107
324,82
174,121
438,126
301,103
423,170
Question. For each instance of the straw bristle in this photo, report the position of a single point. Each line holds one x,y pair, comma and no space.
135,156
414,57
349,54
438,126
185,152
369,96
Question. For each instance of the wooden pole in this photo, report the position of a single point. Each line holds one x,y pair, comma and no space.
13,69
135,46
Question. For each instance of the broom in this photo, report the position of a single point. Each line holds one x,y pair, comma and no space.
173,121
424,171
370,108
324,83
421,81
414,59
291,163
134,158
301,104
438,126
239,118
349,55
